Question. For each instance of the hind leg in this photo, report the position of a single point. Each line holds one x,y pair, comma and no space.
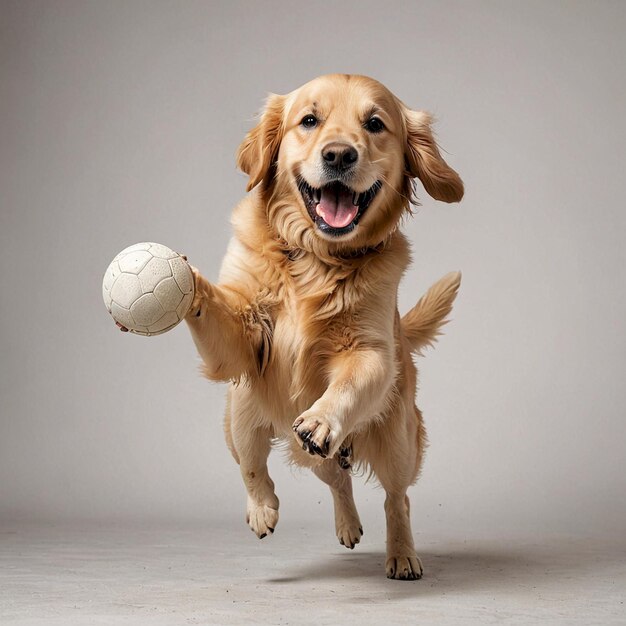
347,523
250,441
402,561
396,466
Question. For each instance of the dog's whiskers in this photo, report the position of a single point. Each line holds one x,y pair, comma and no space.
384,179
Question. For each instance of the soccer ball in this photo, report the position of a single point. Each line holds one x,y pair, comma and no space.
148,288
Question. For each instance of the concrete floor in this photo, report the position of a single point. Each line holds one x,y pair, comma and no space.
83,576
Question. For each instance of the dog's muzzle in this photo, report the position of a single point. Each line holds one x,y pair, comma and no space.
335,208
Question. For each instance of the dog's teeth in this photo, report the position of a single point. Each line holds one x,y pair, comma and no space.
318,195
355,198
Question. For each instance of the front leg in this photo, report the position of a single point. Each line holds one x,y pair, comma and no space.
222,325
359,383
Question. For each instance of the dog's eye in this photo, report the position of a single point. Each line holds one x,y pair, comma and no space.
374,125
308,121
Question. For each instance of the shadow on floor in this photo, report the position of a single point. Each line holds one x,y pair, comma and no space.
469,568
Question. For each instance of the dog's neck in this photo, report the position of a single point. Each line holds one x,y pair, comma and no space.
341,258
255,228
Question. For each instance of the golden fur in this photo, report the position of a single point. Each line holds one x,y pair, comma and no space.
304,324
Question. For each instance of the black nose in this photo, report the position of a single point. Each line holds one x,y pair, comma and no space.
339,155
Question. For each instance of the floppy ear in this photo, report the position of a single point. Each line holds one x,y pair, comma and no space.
426,163
259,149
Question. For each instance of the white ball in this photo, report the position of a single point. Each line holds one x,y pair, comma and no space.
148,288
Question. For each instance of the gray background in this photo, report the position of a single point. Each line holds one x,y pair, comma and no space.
119,122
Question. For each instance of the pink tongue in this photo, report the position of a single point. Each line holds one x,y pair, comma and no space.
336,208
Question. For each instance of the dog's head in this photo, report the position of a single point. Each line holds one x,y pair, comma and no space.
336,160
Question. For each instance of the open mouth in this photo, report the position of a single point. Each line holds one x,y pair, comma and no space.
335,208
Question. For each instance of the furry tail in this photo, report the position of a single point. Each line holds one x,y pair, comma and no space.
422,323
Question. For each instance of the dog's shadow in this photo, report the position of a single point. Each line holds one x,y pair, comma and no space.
446,570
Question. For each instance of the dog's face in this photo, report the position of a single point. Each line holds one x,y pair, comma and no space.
337,158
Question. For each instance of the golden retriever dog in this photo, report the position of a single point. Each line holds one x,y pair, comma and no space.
303,322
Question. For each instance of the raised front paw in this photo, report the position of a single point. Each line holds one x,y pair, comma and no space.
315,434
404,568
195,310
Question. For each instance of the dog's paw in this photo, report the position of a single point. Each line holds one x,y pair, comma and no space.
195,310
315,435
349,532
261,518
344,456
404,568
